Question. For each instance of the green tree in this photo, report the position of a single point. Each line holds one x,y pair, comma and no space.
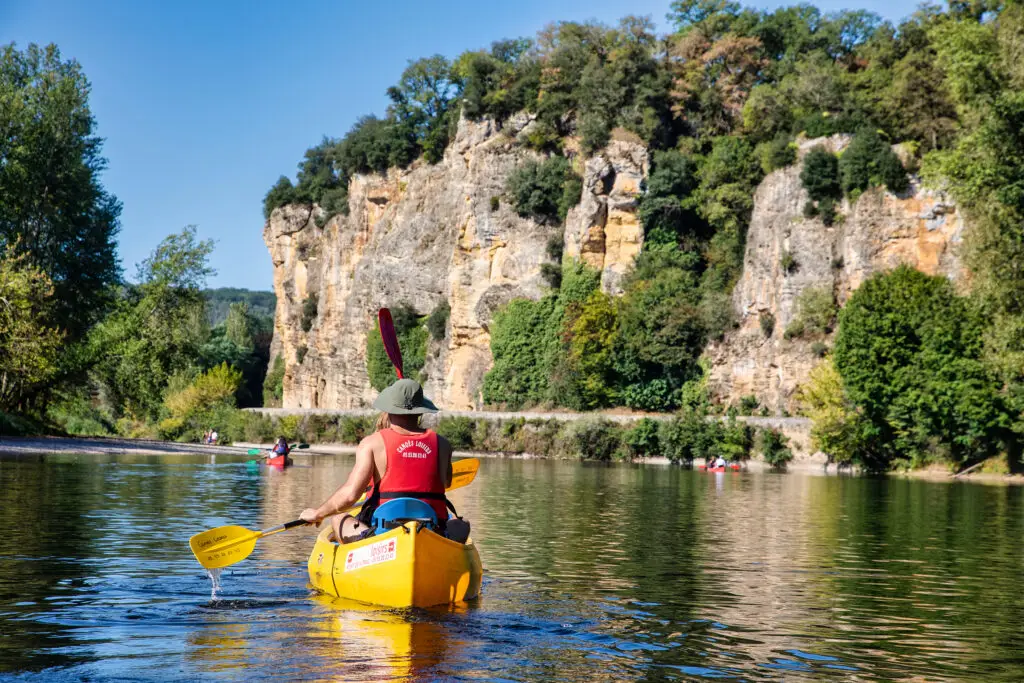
869,161
156,329
53,207
820,175
29,346
546,189
909,353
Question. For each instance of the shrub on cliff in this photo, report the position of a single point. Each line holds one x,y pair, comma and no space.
545,189
869,161
820,175
437,322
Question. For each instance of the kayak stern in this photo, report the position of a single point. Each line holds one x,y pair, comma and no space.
409,566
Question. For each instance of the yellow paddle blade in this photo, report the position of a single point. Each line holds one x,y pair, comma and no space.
463,473
223,546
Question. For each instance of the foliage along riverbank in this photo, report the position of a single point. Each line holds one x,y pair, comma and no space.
921,372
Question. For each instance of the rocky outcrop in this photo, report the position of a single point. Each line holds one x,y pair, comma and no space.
428,234
445,232
603,230
878,232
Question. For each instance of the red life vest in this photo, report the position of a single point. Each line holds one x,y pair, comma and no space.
412,470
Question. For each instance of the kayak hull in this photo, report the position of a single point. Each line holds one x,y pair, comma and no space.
409,566
279,461
730,468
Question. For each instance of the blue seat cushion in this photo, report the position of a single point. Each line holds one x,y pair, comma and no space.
397,511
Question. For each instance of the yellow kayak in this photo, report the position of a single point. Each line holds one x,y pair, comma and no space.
409,566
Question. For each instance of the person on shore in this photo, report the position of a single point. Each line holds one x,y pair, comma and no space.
213,436
206,436
401,460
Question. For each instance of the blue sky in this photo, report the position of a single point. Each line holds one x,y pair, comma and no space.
203,104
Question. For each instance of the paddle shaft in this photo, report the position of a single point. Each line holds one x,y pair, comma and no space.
281,527
390,339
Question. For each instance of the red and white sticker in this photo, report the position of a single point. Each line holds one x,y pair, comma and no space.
375,553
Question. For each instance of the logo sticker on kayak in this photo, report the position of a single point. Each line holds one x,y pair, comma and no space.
375,553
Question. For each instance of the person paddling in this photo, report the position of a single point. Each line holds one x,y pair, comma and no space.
401,460
281,449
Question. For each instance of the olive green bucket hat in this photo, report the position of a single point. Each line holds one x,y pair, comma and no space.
404,397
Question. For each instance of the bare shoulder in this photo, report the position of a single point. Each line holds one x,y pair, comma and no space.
373,443
443,446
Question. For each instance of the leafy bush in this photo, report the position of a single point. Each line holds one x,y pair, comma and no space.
819,349
827,211
458,431
735,439
816,311
309,311
552,274
788,262
909,351
281,194
869,161
546,189
217,385
775,448
437,322
686,436
749,404
837,428
300,354
780,152
666,209
273,384
820,174
495,203
767,322
592,439
641,439
353,429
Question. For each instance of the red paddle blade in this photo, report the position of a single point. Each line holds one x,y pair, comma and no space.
390,339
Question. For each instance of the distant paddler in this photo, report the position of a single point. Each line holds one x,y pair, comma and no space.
401,459
279,453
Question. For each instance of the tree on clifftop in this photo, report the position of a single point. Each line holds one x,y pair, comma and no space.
52,206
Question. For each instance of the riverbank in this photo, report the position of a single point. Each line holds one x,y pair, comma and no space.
122,446
107,446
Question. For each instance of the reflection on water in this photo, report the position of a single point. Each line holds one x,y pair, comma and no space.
592,573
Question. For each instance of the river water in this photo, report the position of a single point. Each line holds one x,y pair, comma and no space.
592,573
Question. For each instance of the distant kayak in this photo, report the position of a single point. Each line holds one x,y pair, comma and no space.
705,468
279,461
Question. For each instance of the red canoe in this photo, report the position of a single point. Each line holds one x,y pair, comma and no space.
734,468
279,461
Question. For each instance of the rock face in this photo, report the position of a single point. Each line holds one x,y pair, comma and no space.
880,231
441,232
428,234
603,230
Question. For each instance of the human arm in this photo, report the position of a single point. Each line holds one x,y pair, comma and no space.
444,452
349,492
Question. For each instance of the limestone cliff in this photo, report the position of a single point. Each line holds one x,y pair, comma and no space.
880,231
440,232
427,234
